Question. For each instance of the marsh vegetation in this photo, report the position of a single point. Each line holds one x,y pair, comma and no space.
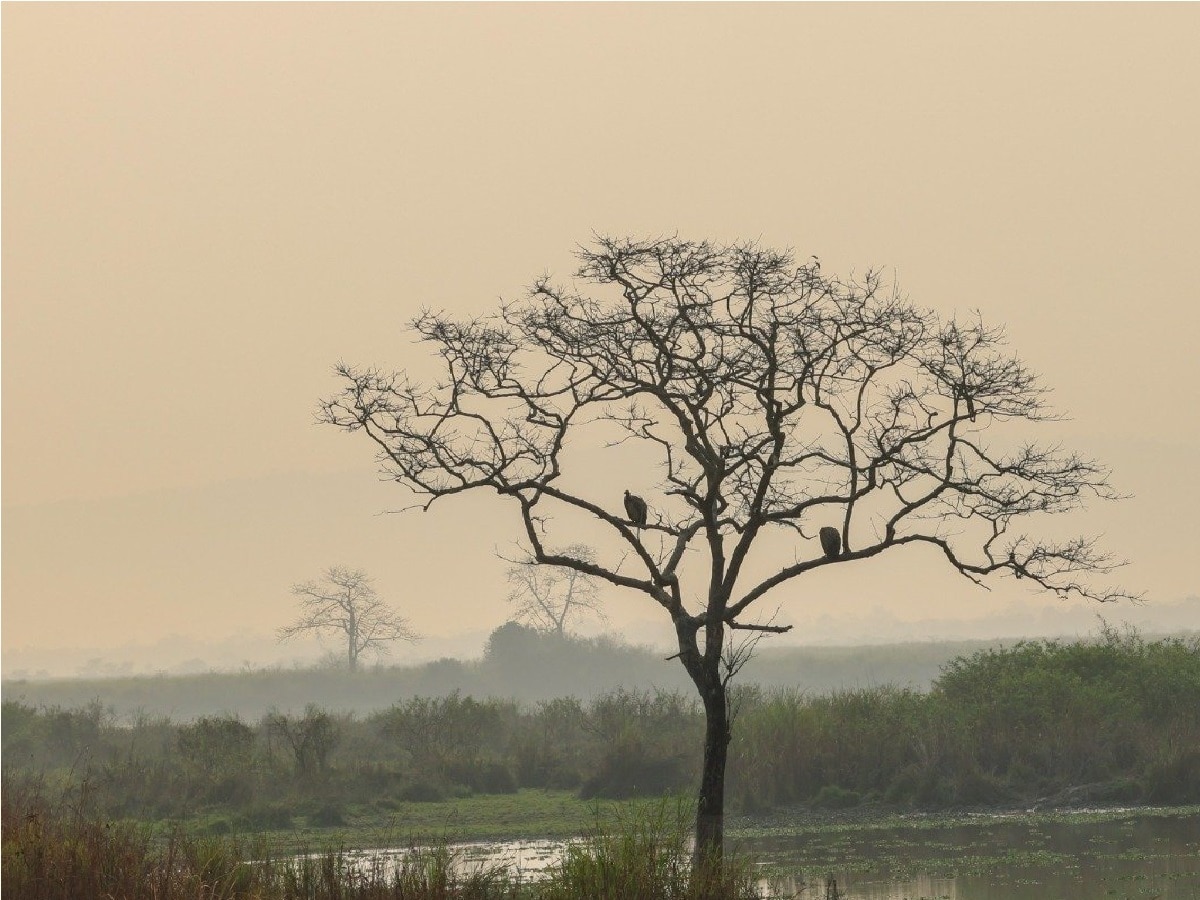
1107,722
1110,720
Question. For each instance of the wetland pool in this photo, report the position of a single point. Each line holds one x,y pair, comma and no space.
993,857
1145,854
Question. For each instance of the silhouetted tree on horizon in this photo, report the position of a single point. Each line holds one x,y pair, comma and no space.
547,597
774,398
344,601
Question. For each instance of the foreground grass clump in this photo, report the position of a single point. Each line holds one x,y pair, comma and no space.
62,848
647,857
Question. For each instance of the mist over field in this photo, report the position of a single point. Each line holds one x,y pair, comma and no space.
182,655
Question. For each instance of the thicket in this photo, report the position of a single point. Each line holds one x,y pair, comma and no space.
1114,719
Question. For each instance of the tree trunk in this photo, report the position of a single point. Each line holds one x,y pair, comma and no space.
710,810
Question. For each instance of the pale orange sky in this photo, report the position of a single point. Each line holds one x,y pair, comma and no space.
205,206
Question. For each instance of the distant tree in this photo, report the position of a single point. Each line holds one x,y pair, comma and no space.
775,400
344,602
548,597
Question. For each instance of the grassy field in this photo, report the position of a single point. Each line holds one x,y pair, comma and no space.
1111,721
533,814
527,814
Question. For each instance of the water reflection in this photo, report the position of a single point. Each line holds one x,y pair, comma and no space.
995,858
923,886
991,858
528,859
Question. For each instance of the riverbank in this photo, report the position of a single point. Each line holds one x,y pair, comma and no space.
58,840
531,814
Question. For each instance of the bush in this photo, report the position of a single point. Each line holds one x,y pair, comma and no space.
975,788
327,815
833,797
628,769
494,778
422,792
265,817
218,826
1174,778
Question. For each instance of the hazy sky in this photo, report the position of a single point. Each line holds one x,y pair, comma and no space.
205,206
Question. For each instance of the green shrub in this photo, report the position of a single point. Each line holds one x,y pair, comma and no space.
630,769
327,815
975,788
1174,777
422,792
218,826
264,817
833,797
494,778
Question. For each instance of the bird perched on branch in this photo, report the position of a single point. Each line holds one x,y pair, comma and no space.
635,508
831,542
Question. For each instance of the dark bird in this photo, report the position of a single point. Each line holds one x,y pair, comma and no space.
831,542
962,393
635,508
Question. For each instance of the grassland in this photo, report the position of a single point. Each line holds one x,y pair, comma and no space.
529,813
1114,720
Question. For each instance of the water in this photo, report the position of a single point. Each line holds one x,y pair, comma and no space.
994,858
529,859
1145,854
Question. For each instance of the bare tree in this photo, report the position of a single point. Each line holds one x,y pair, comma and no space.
775,399
344,601
547,597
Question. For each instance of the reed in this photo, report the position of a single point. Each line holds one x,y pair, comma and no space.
647,856
61,848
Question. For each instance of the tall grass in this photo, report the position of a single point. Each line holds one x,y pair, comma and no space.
647,858
63,849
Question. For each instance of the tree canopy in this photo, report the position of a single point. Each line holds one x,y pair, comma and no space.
344,602
775,399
